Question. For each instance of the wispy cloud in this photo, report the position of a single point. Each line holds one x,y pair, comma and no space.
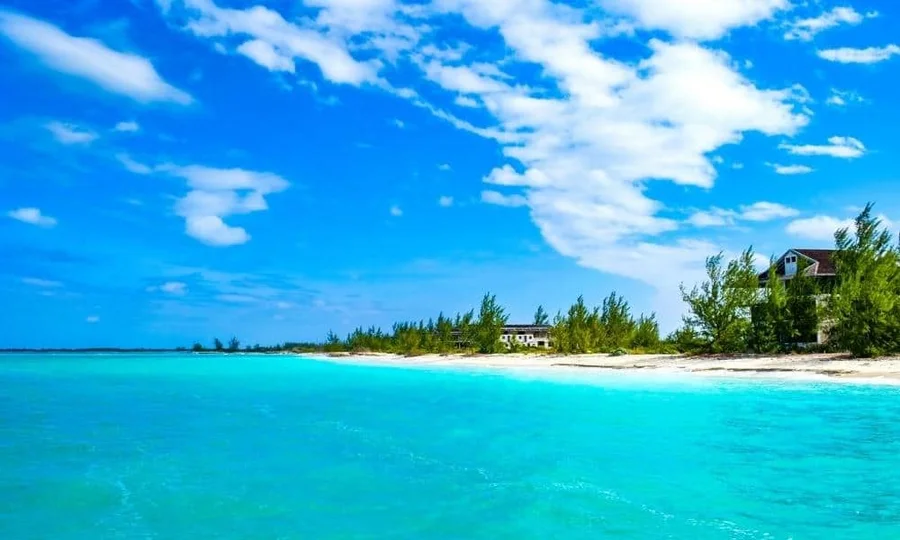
870,55
32,216
42,283
756,212
791,169
820,228
127,127
499,199
119,72
838,147
806,29
396,211
92,319
70,133
445,201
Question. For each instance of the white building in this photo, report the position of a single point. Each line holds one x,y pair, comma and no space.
526,335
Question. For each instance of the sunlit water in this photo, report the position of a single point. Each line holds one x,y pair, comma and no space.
191,447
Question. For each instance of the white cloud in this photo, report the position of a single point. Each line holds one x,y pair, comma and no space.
265,55
466,101
444,167
399,123
176,288
766,211
583,139
132,165
215,194
495,197
841,98
92,319
70,133
870,55
756,212
32,216
275,43
820,228
702,19
127,127
396,211
806,29
122,73
42,283
219,193
791,169
446,201
839,147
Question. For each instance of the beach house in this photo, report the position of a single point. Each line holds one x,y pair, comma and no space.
526,335
817,264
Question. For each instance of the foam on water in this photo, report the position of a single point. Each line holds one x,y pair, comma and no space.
185,446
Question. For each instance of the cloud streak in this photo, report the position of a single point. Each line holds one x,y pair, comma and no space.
90,59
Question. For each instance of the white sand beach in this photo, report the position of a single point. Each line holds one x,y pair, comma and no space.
813,366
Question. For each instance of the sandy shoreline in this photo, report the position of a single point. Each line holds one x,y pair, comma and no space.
807,366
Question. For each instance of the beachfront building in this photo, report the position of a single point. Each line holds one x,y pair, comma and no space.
526,335
817,264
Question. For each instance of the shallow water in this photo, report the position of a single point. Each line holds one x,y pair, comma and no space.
203,446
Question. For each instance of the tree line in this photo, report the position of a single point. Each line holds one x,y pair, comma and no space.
730,311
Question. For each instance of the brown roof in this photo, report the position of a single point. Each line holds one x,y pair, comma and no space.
825,258
822,259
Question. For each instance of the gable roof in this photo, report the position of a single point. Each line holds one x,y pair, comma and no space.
821,263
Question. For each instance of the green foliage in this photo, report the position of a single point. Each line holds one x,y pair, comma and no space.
646,333
489,327
540,317
616,327
333,343
719,308
234,345
686,340
197,347
217,345
864,309
769,327
606,328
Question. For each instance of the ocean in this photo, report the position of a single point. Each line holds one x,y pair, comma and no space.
182,446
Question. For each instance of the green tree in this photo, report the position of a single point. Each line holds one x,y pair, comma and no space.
864,308
540,317
233,344
719,308
646,333
770,328
197,347
616,323
444,330
489,326
333,343
802,313
572,333
217,345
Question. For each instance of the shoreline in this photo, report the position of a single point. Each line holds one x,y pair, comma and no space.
812,367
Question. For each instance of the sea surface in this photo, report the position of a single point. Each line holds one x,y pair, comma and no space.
277,447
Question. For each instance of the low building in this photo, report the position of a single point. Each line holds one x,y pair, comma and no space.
817,264
527,335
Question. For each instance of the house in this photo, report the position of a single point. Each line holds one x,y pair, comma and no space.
527,335
817,264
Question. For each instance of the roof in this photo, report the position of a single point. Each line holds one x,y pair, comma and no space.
820,261
535,327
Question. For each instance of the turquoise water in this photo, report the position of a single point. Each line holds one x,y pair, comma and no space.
190,447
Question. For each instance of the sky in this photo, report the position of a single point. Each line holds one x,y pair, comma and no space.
176,170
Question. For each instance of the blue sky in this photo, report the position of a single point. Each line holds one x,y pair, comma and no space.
174,170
